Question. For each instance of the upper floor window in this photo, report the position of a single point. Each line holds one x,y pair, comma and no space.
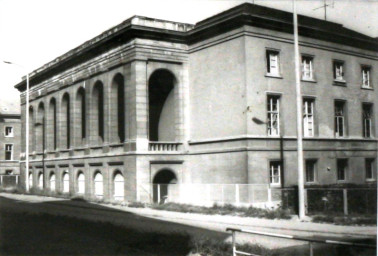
275,172
272,61
9,131
339,118
338,71
273,108
308,117
367,120
366,76
8,152
307,68
342,165
369,169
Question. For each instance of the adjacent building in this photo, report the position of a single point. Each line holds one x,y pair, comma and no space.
204,112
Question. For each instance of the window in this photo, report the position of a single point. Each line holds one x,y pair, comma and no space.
338,71
342,165
366,83
310,170
369,168
308,117
9,172
9,131
272,62
275,172
8,152
273,115
367,120
307,68
339,118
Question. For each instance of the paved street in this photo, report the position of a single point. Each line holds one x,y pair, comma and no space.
141,232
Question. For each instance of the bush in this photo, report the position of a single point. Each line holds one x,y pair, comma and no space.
343,220
136,205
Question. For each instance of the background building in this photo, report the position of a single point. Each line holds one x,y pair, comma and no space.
209,107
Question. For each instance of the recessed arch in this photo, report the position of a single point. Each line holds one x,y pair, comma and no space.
52,182
38,126
98,184
65,126
31,129
162,105
40,180
117,108
80,179
162,181
51,125
30,179
119,186
81,116
66,182
97,109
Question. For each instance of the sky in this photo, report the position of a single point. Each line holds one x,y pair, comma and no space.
34,32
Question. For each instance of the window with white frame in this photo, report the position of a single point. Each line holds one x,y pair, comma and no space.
307,68
342,165
9,131
272,61
339,118
367,120
273,108
8,152
310,170
366,75
338,71
369,168
308,117
275,172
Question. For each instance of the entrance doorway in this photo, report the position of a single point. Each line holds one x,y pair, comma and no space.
162,185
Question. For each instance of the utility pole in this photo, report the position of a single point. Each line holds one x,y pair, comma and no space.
299,115
325,5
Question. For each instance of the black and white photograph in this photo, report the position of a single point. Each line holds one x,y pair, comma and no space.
188,127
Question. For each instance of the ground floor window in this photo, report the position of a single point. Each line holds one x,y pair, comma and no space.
342,165
369,168
310,170
40,181
66,183
119,187
275,172
52,182
80,183
98,185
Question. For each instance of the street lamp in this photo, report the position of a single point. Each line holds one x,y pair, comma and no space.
27,124
43,150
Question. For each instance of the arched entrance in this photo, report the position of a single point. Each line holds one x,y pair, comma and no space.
162,185
162,106
52,182
80,183
40,181
119,187
98,185
66,182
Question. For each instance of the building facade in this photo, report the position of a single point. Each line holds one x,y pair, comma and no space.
209,107
10,137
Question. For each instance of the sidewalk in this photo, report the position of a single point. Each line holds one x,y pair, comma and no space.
220,223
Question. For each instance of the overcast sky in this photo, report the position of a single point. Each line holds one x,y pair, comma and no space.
34,32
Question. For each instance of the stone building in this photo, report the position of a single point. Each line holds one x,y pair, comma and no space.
10,137
209,107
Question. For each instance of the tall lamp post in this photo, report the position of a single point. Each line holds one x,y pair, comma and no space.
26,125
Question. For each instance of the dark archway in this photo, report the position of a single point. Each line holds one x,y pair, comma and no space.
97,108
161,183
39,127
52,125
118,109
65,122
160,85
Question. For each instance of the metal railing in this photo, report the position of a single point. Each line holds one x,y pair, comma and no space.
311,241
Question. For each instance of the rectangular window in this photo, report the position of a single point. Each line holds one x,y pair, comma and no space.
272,61
338,71
367,120
307,68
275,172
308,117
310,170
339,118
8,152
9,131
369,168
342,165
273,108
366,77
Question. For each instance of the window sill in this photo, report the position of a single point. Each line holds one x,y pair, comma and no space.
8,136
308,80
367,88
370,180
275,185
273,76
339,82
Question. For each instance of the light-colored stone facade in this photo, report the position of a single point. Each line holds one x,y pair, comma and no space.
201,93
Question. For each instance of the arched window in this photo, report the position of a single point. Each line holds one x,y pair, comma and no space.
51,125
40,181
39,127
98,185
162,106
65,121
31,130
80,183
118,110
52,181
119,186
81,116
30,180
66,182
97,108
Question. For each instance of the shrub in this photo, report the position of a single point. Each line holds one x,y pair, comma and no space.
136,205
